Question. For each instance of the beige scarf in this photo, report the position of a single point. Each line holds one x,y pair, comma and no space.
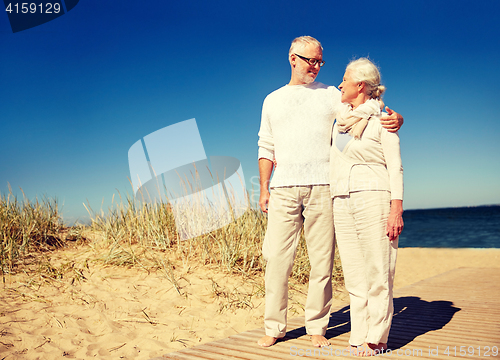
354,121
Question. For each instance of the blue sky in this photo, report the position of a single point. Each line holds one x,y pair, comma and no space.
77,92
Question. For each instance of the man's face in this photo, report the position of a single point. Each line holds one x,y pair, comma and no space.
304,72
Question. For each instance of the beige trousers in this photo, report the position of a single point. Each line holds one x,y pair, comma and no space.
289,208
368,261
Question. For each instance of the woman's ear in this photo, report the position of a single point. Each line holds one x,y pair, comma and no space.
361,87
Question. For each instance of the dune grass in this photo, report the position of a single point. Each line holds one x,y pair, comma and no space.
26,226
138,234
29,231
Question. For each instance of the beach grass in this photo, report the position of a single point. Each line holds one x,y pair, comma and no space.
137,234
26,226
29,230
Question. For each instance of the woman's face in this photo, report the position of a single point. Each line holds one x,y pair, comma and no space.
349,88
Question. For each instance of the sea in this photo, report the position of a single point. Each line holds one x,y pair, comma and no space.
463,227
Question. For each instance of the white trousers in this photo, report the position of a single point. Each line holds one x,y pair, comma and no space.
289,208
368,261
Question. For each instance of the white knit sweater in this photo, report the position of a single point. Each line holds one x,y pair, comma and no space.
296,130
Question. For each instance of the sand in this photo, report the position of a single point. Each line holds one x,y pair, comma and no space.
128,313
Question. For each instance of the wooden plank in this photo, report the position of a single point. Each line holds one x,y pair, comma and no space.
457,308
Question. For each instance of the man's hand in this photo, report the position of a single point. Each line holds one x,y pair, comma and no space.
264,200
393,122
265,171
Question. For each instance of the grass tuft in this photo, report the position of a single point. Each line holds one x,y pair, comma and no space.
27,226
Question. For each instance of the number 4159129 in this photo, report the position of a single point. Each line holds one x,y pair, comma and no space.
33,8
470,350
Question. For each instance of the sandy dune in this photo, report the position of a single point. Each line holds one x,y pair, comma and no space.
112,312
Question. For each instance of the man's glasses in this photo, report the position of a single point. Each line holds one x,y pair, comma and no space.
310,61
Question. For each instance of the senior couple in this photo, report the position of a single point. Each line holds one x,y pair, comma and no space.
337,163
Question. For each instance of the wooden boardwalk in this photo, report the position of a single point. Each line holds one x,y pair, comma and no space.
452,315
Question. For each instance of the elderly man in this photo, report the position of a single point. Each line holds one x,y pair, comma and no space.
295,133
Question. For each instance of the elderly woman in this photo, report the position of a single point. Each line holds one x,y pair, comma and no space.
367,190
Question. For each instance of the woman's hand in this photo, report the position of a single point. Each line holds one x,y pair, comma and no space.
395,222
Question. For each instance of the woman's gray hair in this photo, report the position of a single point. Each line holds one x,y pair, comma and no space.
302,41
363,70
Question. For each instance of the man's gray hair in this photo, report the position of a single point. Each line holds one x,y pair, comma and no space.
302,41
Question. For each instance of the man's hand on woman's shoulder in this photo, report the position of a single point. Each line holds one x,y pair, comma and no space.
392,121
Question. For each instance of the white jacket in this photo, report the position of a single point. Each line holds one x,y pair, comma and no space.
371,163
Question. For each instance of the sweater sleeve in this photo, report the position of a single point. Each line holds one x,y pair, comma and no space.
266,140
392,155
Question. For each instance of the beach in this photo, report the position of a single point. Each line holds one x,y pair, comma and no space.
97,311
